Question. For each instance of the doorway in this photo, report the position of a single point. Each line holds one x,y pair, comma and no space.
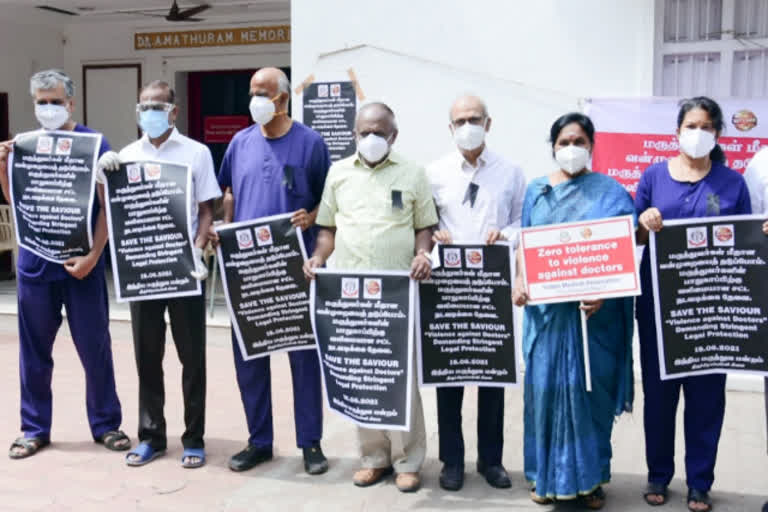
218,107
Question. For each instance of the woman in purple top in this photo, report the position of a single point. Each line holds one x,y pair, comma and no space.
696,183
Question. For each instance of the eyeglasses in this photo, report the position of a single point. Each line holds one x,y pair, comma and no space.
158,106
475,120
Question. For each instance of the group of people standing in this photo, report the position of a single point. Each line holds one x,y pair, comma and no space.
377,210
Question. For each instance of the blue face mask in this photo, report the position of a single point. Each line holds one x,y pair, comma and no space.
154,123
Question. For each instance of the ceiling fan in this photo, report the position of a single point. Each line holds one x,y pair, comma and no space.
174,14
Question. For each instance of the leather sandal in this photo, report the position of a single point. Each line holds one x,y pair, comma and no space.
29,446
696,496
594,500
658,490
115,440
540,500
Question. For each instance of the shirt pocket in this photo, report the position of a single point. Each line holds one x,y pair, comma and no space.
295,180
398,204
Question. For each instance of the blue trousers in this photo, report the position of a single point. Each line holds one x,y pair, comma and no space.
490,425
702,417
255,382
39,320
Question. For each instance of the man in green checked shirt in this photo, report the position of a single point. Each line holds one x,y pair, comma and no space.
377,213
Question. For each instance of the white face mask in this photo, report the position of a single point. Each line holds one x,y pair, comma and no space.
572,159
696,143
373,148
469,136
262,110
51,117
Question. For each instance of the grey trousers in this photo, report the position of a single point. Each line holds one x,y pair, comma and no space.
404,450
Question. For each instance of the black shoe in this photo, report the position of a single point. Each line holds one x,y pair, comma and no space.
452,477
250,457
495,475
315,462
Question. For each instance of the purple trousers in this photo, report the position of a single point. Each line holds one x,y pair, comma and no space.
39,320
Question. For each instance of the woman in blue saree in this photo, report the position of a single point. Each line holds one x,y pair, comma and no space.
567,439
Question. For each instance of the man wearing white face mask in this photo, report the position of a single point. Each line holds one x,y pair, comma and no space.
276,166
156,115
79,284
479,198
377,213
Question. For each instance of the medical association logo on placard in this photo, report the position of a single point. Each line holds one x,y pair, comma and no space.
152,172
696,237
335,90
372,288
586,233
244,239
350,288
565,236
322,91
64,146
134,173
722,235
44,145
263,235
452,258
744,120
474,258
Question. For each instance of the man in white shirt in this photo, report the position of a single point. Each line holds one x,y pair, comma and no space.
756,177
479,198
156,114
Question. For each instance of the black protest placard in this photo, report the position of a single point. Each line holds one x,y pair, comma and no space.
53,190
711,301
363,324
330,109
150,230
464,326
267,294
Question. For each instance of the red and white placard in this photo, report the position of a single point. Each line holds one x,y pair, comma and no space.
585,260
633,133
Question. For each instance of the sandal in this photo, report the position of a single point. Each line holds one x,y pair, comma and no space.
29,446
115,440
658,490
696,496
193,452
146,455
594,500
540,500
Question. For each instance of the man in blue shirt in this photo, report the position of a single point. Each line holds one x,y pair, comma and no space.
79,284
273,167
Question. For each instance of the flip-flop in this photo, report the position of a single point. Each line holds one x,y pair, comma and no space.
146,455
31,444
111,439
193,452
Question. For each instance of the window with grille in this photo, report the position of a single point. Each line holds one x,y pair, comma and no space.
692,20
750,73
712,47
751,19
691,74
